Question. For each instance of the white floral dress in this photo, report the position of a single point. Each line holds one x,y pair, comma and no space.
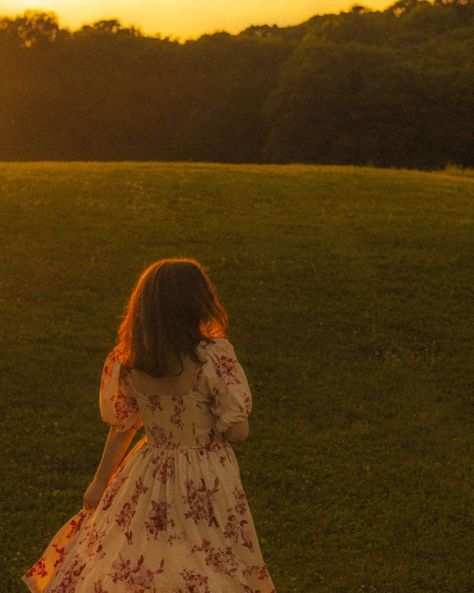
174,517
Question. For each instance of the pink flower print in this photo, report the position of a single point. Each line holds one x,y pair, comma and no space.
71,578
161,438
195,582
231,529
249,589
211,433
247,402
38,568
141,578
197,378
125,406
153,402
137,579
221,560
99,587
226,368
212,442
235,530
60,552
123,520
201,400
159,520
246,537
75,525
140,488
143,451
111,491
178,410
241,498
258,570
121,568
199,501
165,470
124,372
94,544
172,537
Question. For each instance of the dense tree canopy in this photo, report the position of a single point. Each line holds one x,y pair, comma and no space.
388,88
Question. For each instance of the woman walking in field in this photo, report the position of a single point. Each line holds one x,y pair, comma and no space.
172,516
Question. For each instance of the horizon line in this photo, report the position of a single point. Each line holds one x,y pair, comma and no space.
175,37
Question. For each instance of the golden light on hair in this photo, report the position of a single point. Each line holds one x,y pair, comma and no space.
173,306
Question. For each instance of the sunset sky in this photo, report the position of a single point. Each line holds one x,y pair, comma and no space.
185,19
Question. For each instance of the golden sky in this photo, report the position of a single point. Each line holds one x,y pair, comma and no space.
185,19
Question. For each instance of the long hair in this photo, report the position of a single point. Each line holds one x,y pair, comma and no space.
173,306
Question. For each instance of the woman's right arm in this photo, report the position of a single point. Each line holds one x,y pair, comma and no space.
232,401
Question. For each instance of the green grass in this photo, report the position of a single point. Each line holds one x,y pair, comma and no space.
350,297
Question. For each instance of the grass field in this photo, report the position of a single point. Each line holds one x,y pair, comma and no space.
350,294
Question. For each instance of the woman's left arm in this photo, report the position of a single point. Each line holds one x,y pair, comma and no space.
115,448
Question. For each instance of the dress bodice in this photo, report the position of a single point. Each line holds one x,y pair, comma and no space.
219,396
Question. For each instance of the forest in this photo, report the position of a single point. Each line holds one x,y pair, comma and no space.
389,88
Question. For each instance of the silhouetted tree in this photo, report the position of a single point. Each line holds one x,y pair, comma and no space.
389,87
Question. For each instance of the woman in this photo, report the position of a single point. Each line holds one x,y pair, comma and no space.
172,516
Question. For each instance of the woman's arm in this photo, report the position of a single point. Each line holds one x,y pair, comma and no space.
115,447
237,432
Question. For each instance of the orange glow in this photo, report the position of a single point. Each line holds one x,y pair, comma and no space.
184,19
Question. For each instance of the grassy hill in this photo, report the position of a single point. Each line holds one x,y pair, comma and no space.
350,299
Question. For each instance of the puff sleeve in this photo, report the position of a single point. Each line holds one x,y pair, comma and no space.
118,406
231,395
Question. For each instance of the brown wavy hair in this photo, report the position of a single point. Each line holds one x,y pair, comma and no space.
173,306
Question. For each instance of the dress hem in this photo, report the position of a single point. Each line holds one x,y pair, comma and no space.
32,586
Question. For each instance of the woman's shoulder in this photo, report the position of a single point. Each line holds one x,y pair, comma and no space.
215,344
112,370
215,347
115,362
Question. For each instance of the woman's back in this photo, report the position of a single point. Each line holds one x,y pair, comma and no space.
173,517
189,411
145,384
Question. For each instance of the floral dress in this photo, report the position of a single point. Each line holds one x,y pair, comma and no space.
174,517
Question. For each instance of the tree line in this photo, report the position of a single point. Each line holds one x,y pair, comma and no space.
384,88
